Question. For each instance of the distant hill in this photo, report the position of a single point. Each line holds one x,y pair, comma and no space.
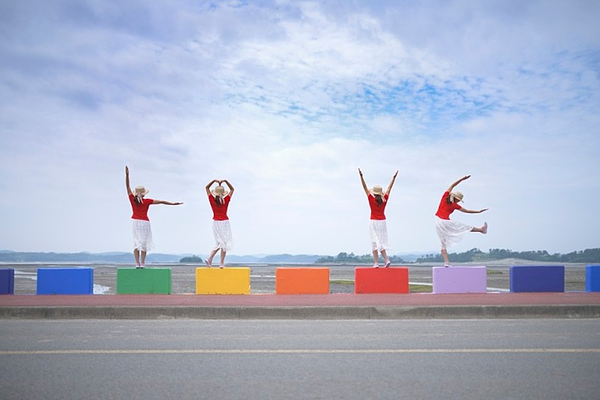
582,256
8,256
291,259
351,258
112,257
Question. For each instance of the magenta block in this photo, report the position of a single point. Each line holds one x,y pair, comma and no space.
459,280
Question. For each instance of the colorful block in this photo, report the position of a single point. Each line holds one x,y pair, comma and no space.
7,281
144,281
302,280
592,278
381,280
537,278
222,280
65,281
459,280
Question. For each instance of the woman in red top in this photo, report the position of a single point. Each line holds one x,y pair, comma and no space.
377,227
142,231
219,202
451,232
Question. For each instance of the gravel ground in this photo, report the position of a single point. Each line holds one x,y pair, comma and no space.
262,277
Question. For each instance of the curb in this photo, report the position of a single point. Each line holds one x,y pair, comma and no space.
304,312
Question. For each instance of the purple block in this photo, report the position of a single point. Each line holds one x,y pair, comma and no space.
7,281
592,278
537,278
459,280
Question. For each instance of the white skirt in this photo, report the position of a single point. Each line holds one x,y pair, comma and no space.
142,235
379,235
450,232
223,236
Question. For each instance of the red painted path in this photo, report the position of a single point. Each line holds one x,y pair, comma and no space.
326,300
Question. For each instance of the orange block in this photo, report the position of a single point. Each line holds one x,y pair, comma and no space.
381,280
302,280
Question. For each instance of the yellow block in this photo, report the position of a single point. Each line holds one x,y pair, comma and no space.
222,280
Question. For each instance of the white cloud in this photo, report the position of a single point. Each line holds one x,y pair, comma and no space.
287,105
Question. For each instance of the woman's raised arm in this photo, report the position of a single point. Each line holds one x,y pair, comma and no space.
472,211
230,186
169,203
129,192
389,189
364,184
209,185
457,182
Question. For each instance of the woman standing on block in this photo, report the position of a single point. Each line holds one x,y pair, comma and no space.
378,228
451,232
219,201
142,231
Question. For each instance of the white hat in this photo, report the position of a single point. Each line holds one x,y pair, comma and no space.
456,195
141,191
377,190
219,191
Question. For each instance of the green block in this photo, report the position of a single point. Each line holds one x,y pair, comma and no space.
144,281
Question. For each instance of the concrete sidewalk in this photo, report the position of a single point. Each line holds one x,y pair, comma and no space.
330,306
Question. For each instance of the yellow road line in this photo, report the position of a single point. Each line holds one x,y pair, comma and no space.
295,351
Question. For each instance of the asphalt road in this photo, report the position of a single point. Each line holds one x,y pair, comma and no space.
289,359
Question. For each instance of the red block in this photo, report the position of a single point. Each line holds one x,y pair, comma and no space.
381,280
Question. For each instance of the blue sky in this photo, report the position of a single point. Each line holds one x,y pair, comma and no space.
286,99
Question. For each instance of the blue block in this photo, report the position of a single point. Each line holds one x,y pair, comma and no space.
537,278
7,281
592,278
65,281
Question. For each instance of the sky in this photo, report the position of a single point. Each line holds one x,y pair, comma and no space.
287,99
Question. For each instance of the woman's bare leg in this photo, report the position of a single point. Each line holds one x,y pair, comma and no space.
483,228
445,255
375,258
223,254
136,255
385,257
210,257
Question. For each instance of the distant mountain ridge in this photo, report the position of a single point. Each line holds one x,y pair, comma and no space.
111,257
122,257
587,255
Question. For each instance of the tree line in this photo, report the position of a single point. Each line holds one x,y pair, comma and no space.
191,260
346,258
582,256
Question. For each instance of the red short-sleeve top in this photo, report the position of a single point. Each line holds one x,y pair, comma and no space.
140,211
377,210
219,211
445,209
